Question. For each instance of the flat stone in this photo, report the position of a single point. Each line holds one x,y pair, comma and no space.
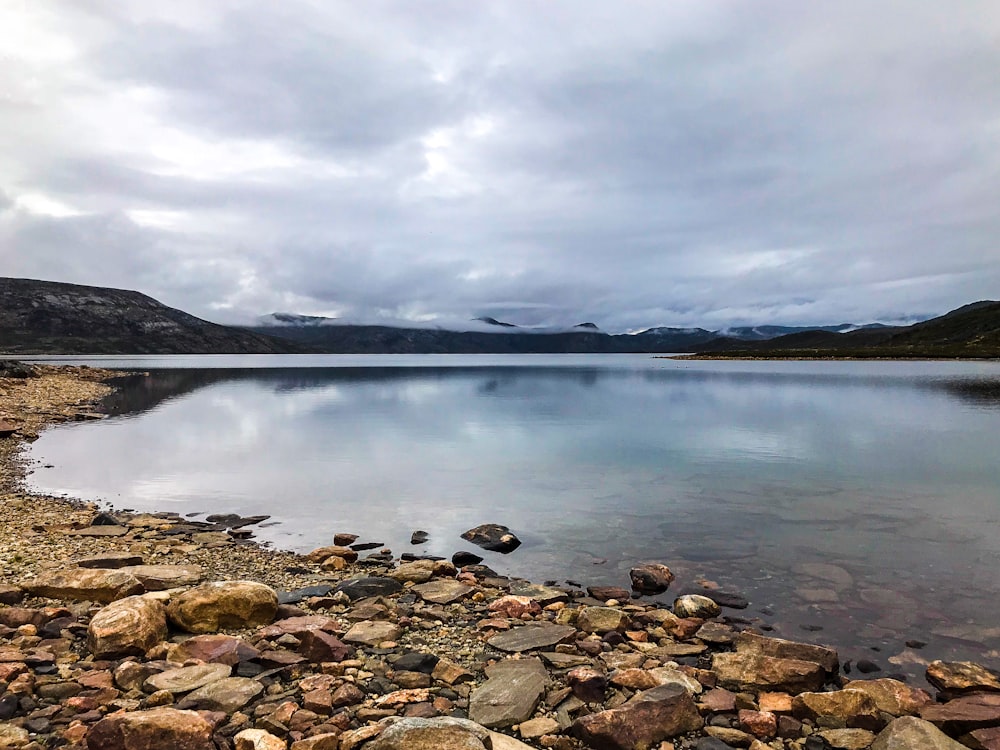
186,679
827,658
440,733
892,696
363,588
421,571
110,561
163,577
443,591
154,729
531,637
510,695
216,648
227,695
847,739
535,728
911,733
649,718
855,707
756,672
99,531
956,677
85,584
965,713
544,595
372,632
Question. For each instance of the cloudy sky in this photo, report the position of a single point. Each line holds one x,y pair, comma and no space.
695,162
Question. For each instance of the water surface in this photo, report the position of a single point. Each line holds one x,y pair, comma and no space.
856,499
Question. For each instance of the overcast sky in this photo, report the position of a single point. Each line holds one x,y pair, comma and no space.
627,163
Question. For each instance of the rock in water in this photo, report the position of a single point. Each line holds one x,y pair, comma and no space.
419,537
441,733
695,605
128,626
650,578
223,604
649,718
956,677
155,729
493,537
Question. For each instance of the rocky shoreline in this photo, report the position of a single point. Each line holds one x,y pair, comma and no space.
135,631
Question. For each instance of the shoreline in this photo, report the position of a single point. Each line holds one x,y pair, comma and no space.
335,668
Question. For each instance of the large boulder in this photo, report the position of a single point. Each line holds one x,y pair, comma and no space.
855,708
911,733
494,537
441,733
827,658
892,696
85,584
155,729
756,672
696,605
129,626
649,718
223,604
957,677
421,571
163,577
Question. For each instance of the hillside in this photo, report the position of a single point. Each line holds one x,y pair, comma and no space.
45,317
969,331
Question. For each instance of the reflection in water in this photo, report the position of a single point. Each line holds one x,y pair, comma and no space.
863,500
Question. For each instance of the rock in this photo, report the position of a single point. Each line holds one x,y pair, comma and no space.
544,595
372,632
761,724
419,537
752,643
983,739
756,672
155,729
163,577
440,733
319,647
227,695
847,739
421,571
535,728
493,537
217,649
589,685
12,737
956,677
651,578
85,584
363,588
343,540
892,696
965,713
186,679
462,558
223,604
443,591
99,531
450,673
299,595
531,637
257,739
129,626
695,605
322,554
651,717
911,733
856,708
605,593
601,620
110,561
511,693
515,606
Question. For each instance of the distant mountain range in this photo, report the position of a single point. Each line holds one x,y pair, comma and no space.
43,317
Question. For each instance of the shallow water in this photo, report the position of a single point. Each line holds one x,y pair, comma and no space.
854,503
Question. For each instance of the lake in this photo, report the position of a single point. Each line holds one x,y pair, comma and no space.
853,503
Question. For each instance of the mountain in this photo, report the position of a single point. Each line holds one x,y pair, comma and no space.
969,331
293,319
46,317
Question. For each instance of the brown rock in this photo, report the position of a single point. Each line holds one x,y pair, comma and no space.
110,561
347,694
443,591
752,643
421,571
956,677
132,625
983,739
216,649
650,717
336,740
719,700
322,553
257,739
762,724
510,695
163,577
776,703
697,606
963,714
85,584
442,733
651,578
601,620
756,672
892,696
318,647
451,673
515,606
604,593
155,729
372,632
185,679
633,679
226,695
911,733
587,684
223,604
847,739
855,707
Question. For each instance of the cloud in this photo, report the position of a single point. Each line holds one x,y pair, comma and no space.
687,164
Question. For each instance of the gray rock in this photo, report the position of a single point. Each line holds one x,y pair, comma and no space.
440,733
510,695
227,695
531,637
363,588
186,679
695,605
911,733
442,591
493,537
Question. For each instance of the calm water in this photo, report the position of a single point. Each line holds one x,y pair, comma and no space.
860,498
